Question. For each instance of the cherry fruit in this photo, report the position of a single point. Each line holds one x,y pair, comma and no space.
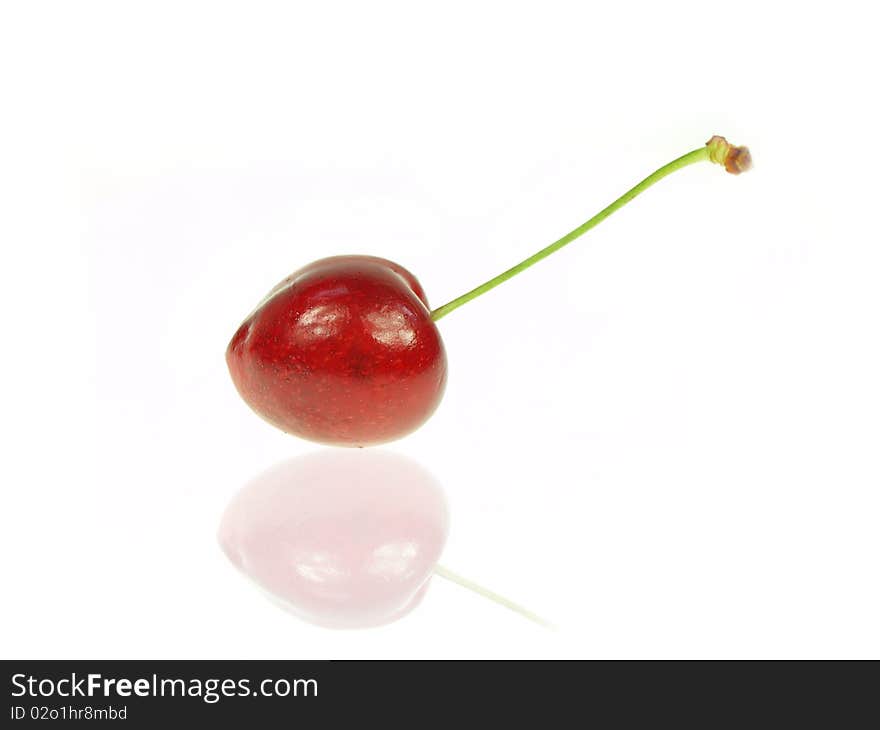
346,350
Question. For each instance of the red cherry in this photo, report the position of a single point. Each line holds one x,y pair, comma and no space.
343,351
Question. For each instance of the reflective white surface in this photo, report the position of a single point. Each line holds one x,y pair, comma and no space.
665,437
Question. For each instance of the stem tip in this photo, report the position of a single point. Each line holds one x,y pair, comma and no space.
734,159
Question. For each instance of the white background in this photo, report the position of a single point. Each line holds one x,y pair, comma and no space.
664,438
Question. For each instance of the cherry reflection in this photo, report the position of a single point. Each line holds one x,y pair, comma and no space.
343,539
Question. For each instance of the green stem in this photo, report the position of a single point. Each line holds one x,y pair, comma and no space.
689,159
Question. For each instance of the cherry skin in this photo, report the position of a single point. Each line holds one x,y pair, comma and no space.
343,351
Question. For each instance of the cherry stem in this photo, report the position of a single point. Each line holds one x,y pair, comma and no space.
717,150
491,595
